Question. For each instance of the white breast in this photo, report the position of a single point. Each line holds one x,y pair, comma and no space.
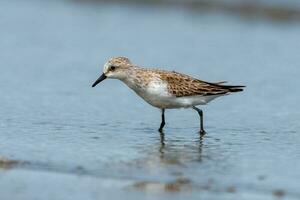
157,94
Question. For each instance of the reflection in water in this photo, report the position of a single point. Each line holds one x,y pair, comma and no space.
177,151
201,138
162,144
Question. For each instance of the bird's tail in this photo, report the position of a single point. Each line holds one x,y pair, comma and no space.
233,88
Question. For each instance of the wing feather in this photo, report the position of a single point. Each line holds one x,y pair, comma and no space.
181,85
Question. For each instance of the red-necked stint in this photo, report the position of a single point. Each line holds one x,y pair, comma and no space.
165,89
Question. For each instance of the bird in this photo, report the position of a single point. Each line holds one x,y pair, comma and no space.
165,89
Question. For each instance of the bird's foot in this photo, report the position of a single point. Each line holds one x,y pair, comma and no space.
202,132
161,127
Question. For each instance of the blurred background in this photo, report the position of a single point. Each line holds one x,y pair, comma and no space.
62,139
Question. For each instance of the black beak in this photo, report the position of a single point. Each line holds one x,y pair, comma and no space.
101,78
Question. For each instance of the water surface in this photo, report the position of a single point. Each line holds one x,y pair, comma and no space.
78,142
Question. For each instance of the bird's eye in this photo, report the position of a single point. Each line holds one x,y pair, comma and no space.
112,68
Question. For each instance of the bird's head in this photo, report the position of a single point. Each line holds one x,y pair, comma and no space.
116,68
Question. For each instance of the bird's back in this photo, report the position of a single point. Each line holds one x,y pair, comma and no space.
181,85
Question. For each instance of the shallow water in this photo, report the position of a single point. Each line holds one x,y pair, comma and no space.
77,142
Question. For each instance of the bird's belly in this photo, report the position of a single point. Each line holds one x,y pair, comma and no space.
159,100
170,102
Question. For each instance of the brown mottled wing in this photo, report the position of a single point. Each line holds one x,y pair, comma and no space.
181,85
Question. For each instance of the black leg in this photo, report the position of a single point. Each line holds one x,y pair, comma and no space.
162,120
200,112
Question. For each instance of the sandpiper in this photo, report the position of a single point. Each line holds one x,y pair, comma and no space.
165,89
